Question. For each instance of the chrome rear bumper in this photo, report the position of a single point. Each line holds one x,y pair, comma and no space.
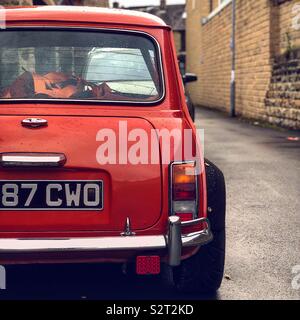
174,242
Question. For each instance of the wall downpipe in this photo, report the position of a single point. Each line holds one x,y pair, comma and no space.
233,68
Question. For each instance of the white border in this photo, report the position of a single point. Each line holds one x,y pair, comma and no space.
57,208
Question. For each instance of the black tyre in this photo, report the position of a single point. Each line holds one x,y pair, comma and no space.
203,272
216,196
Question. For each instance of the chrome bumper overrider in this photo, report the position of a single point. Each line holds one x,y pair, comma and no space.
174,242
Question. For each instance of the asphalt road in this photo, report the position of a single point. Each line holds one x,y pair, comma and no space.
262,170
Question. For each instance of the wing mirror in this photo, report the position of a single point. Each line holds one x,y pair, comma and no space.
189,77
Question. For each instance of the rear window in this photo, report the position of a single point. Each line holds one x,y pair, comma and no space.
79,65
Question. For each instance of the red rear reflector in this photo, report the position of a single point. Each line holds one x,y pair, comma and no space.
147,265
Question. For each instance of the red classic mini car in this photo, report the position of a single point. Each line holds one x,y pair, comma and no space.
99,159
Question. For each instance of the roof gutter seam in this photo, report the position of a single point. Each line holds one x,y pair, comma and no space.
18,22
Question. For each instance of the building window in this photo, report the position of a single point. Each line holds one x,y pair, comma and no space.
214,11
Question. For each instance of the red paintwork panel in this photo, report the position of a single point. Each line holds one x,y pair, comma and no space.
85,15
129,190
140,192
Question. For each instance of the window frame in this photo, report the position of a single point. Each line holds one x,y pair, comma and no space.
158,53
222,5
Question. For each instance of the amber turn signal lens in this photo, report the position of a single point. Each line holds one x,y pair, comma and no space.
184,182
184,198
184,173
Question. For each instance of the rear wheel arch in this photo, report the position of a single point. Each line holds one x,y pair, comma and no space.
203,272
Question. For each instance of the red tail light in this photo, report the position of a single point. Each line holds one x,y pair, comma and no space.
184,189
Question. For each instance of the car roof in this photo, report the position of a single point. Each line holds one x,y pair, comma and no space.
83,14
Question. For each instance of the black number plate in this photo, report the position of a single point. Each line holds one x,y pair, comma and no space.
51,195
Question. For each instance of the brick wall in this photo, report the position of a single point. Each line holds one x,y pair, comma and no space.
264,35
285,36
253,64
283,96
